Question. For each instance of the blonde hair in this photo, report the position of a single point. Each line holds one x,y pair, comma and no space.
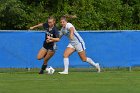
66,17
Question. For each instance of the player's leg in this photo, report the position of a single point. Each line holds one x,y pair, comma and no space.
69,50
84,58
80,48
49,54
41,55
42,52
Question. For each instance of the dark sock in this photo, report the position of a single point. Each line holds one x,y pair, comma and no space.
43,67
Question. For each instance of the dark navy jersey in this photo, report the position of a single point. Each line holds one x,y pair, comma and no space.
52,33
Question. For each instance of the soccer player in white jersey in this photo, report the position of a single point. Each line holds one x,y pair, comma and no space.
76,43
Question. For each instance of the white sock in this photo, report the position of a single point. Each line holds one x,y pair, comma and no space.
66,64
91,62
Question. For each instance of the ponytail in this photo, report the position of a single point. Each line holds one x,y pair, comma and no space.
66,17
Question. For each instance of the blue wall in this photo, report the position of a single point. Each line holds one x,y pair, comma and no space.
110,49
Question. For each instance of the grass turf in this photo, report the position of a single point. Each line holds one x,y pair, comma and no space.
75,82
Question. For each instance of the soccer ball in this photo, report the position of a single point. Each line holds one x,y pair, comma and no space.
50,70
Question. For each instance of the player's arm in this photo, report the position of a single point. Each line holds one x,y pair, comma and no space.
71,32
39,25
55,38
51,39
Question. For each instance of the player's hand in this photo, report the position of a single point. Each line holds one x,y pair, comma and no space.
49,41
31,28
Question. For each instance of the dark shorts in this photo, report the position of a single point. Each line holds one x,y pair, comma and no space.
51,47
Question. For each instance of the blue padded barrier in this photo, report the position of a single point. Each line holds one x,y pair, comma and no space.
110,49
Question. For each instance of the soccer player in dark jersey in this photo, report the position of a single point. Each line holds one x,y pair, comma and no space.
49,45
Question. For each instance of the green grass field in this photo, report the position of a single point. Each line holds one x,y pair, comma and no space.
75,82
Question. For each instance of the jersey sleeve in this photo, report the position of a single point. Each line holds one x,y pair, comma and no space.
69,25
45,26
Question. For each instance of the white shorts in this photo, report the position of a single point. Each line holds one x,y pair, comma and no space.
78,47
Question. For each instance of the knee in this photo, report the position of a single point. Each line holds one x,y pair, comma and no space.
65,56
39,58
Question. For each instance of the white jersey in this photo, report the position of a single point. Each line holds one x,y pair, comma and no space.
76,38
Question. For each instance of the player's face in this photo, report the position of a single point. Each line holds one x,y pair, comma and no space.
51,22
63,23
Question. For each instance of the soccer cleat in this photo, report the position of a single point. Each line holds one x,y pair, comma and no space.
98,67
65,73
41,72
